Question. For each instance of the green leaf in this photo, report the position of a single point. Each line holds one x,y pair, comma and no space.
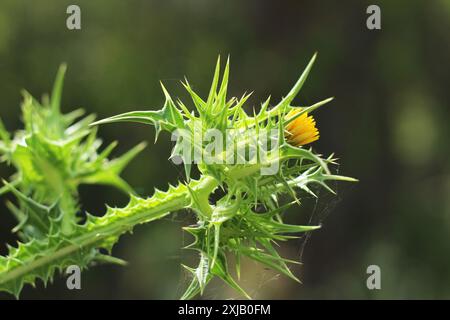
55,100
297,87
168,118
220,270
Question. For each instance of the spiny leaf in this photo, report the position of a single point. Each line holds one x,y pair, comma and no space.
297,87
55,101
40,259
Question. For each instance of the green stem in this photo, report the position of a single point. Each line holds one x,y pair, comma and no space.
100,230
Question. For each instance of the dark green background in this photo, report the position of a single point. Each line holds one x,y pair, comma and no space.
388,125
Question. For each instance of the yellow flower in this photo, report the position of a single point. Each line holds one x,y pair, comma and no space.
302,130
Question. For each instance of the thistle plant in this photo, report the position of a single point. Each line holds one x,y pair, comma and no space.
53,155
251,167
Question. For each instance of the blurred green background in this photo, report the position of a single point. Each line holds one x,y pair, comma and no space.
388,125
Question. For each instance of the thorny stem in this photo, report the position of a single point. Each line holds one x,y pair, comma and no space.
203,188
